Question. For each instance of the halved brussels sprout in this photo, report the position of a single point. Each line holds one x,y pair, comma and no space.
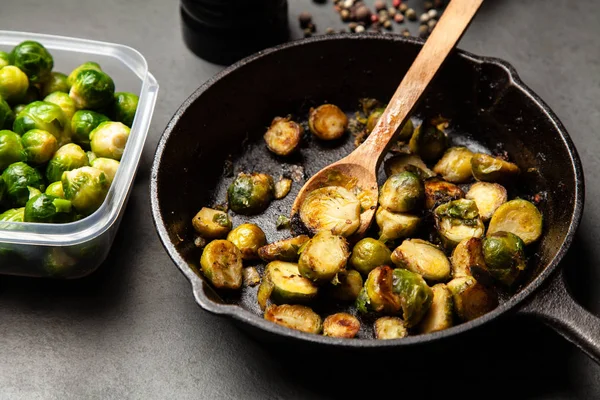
423,258
438,192
401,192
283,136
283,250
62,100
106,165
44,208
467,260
13,215
108,139
407,162
211,224
394,226
455,165
369,253
493,169
33,192
390,328
124,107
11,149
458,220
39,145
488,197
250,276
346,285
341,325
221,264
55,189
248,238
19,177
414,293
13,84
282,188
378,293
331,208
92,89
45,116
4,59
83,123
471,298
283,222
67,158
91,156
288,286
58,82
441,313
264,292
405,132
33,59
296,317
87,65
504,255
7,116
327,122
86,187
519,217
429,142
323,256
250,193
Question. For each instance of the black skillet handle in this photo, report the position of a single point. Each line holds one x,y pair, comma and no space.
555,306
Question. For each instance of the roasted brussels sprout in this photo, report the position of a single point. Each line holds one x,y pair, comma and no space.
108,139
250,193
390,328
83,123
45,116
106,165
7,116
455,165
323,256
283,136
493,169
504,255
341,325
428,142
407,162
458,220
62,100
250,276
438,192
283,250
19,177
369,253
11,149
467,260
124,107
441,313
401,192
423,258
248,238
415,296
221,264
4,59
211,224
488,197
58,82
282,188
44,208
405,132
346,285
327,122
33,59
39,145
288,286
295,316
331,208
85,66
13,215
394,226
55,189
86,187
378,293
13,84
67,158
471,298
92,89
283,222
519,217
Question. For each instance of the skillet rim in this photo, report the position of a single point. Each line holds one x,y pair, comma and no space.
242,315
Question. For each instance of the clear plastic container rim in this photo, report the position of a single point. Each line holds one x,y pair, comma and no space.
101,220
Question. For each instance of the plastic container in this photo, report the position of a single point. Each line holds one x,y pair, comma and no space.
76,249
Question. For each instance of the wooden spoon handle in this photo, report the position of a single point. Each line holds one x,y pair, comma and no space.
448,31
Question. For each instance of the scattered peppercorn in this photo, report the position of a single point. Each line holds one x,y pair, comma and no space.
307,32
345,14
431,24
405,32
363,14
352,26
305,19
387,24
399,18
329,31
348,3
396,3
380,5
411,14
392,11
432,13
374,18
403,8
423,31
359,29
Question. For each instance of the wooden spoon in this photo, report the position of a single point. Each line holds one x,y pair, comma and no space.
360,166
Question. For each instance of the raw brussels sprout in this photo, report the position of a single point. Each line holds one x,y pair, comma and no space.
45,116
519,217
407,162
504,255
493,169
282,188
83,123
369,253
55,189
19,177
441,313
17,109
248,238
91,156
33,192
4,59
405,132
85,66
283,250
250,276
283,136
221,264
7,115
428,142
67,158
44,208
108,139
390,328
331,208
488,197
86,187
33,59
2,190
124,107
346,285
106,165
295,316
11,149
341,325
62,100
13,215
415,296
394,226
58,82
471,298
327,122
378,294
323,257
39,145
250,193
401,192
438,192
458,220
455,165
92,89
423,258
467,260
288,286
209,223
13,84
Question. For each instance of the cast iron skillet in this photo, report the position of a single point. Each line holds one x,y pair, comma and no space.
489,106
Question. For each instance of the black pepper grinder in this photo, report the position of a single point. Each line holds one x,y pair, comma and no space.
225,31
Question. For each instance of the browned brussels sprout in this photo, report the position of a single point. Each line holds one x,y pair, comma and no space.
407,162
504,255
378,294
211,224
331,208
288,286
341,325
250,276
467,260
455,165
390,328
346,285
394,226
248,238
250,194
471,298
438,192
283,136
402,192
488,197
423,258
519,217
441,313
458,220
221,264
295,316
327,122
323,256
428,142
369,253
415,296
283,250
493,169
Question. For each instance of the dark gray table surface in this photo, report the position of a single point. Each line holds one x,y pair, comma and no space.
132,329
